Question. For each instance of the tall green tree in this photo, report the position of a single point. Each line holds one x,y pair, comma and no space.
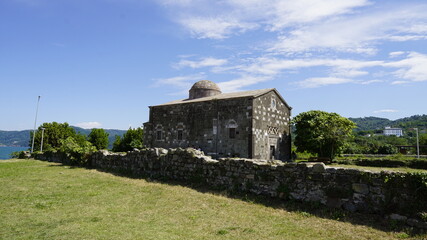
133,138
99,138
53,134
322,133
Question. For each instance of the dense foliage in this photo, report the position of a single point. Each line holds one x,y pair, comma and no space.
53,135
77,152
133,138
20,138
322,133
380,144
99,138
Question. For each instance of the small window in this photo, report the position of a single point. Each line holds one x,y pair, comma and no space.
179,134
214,126
159,135
273,103
232,132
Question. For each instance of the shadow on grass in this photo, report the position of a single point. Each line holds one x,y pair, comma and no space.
305,209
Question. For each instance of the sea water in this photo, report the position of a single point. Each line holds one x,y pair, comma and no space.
6,151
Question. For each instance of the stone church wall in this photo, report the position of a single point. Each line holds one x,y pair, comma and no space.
271,127
205,125
350,189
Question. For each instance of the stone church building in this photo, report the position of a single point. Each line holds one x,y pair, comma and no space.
249,124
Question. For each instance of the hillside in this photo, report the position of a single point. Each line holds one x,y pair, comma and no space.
375,123
22,138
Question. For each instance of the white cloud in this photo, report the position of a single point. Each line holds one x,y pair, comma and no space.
183,82
357,33
88,125
288,13
370,82
205,62
399,82
305,25
320,82
239,83
404,38
215,28
222,19
386,111
396,54
413,68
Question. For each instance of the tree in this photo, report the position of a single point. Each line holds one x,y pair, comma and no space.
53,134
322,133
133,138
99,138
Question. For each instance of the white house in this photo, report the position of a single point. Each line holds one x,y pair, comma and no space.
388,131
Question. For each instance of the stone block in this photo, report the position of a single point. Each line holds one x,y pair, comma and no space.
334,202
349,206
397,217
415,223
319,168
360,188
250,176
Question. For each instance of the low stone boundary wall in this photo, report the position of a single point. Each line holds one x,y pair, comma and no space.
403,195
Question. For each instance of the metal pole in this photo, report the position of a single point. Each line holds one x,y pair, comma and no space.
35,122
418,145
41,145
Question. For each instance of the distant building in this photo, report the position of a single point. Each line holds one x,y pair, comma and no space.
250,124
389,131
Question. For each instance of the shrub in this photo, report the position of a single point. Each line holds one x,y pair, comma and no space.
77,153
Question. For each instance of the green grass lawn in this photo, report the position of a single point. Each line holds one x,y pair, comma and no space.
41,200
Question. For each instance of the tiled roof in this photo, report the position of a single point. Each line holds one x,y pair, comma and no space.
253,93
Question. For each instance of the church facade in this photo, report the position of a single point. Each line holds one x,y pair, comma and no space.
249,124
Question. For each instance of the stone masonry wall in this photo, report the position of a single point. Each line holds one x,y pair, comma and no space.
203,125
350,189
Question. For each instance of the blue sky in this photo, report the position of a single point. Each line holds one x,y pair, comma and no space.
101,63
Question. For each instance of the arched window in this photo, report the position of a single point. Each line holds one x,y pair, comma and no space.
180,131
273,103
159,132
232,125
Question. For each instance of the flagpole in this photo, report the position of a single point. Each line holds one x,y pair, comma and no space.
35,122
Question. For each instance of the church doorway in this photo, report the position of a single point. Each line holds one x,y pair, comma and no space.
272,152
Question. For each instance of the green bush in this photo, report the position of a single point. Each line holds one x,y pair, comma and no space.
406,184
133,138
19,154
78,154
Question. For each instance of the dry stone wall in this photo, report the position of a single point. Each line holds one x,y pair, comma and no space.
354,190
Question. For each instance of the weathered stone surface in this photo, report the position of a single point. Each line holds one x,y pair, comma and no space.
334,202
416,223
360,188
398,217
319,168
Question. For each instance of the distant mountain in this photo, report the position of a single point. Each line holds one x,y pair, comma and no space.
375,123
15,138
22,138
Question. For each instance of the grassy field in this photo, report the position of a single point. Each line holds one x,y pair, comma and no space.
41,200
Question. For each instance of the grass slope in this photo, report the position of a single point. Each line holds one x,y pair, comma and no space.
41,200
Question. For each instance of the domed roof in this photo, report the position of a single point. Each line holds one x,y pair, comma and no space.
206,84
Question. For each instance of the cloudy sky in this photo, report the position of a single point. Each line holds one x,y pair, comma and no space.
101,63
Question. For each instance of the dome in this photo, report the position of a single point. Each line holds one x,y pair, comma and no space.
204,88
